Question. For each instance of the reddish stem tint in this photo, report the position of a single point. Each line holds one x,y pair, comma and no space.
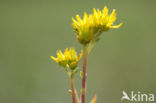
84,76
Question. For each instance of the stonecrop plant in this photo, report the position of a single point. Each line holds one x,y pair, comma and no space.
88,30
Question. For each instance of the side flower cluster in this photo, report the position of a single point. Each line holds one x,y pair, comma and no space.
99,21
68,59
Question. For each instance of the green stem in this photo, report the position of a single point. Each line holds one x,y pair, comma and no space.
91,44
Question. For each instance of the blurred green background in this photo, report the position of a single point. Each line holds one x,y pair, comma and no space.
31,31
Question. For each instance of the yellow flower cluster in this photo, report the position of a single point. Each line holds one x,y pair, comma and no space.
68,59
91,24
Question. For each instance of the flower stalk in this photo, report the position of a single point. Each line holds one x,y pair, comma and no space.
83,91
73,89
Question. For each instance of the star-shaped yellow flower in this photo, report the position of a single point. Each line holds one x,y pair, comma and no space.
68,59
91,24
105,21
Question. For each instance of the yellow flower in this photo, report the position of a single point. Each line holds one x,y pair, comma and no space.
83,28
68,59
91,24
105,21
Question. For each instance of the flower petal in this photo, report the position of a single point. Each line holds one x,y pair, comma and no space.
55,59
116,26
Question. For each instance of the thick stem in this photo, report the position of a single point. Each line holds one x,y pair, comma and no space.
84,75
73,89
